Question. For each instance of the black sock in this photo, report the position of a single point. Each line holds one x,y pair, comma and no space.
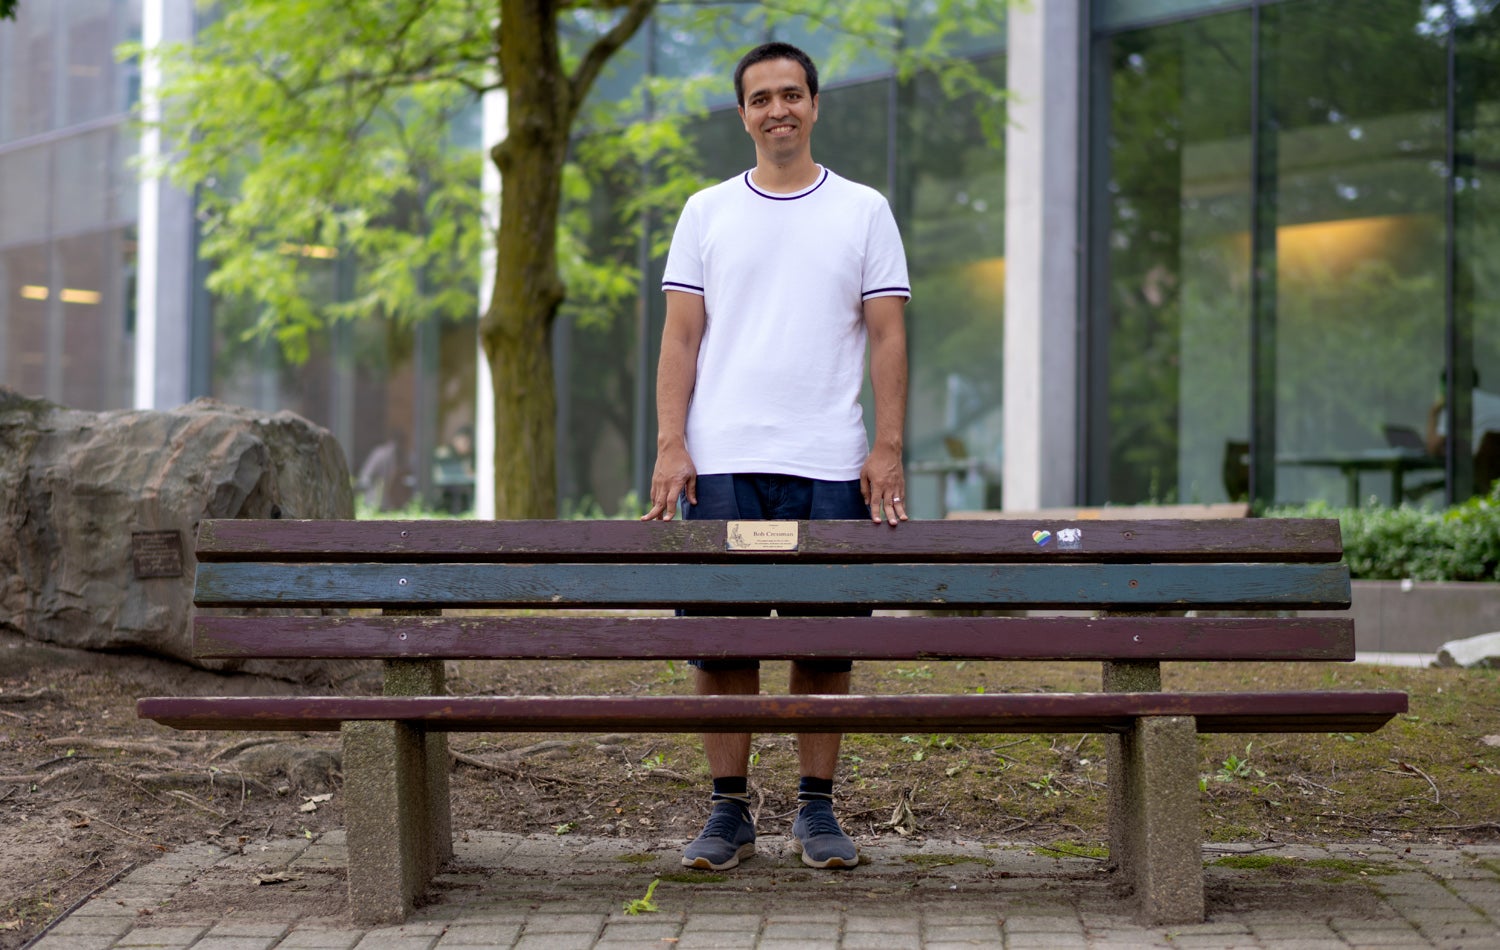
732,788
815,789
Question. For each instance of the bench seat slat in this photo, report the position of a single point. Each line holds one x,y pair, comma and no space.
785,638
1363,711
953,586
1247,539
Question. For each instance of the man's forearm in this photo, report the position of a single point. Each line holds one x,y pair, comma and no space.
675,377
888,375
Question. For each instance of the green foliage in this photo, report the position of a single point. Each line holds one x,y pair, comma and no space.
643,905
320,139
589,509
1461,543
8,9
414,510
1237,767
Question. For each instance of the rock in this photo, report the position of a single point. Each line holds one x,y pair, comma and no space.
1481,652
92,505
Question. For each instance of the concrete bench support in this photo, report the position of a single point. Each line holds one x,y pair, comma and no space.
1160,854
397,807
386,807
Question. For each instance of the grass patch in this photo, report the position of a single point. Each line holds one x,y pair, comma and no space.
693,877
1075,849
1335,869
638,858
930,861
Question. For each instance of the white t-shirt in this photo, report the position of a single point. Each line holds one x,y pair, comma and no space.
783,279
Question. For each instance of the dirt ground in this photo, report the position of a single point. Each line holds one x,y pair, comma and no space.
88,791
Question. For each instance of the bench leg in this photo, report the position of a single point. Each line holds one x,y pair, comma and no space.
1123,676
1154,819
426,678
387,815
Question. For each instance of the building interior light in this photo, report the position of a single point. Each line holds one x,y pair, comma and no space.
34,292
320,251
72,295
1335,248
988,274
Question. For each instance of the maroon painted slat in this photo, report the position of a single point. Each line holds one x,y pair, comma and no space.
871,638
989,713
1248,539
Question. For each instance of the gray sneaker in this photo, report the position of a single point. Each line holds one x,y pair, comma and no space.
728,837
816,836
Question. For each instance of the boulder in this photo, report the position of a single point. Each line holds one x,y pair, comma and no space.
98,513
1481,652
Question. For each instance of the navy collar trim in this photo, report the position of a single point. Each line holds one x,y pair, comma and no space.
793,197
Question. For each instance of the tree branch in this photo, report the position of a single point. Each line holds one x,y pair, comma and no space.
605,47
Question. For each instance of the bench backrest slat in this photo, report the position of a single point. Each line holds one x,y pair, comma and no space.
1252,539
906,586
785,638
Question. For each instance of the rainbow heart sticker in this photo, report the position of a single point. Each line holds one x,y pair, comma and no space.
1041,537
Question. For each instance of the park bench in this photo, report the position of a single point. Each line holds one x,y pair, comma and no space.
1119,592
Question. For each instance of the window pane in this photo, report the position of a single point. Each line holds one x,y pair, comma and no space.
88,61
954,230
26,74
25,281
1359,91
1478,214
1170,279
23,195
82,180
97,356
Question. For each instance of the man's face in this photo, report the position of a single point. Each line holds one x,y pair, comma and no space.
779,113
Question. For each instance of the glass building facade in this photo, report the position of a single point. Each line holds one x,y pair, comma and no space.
1282,264
68,202
1286,217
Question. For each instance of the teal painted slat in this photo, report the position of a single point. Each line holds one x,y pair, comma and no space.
1119,586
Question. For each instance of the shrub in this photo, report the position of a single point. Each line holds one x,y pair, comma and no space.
1461,543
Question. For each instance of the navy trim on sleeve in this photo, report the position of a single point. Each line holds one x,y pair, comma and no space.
887,291
675,285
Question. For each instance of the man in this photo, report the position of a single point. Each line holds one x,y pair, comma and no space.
775,282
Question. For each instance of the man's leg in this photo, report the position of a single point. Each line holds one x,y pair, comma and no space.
729,752
818,752
816,834
729,834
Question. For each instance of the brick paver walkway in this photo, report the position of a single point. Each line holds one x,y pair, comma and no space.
560,892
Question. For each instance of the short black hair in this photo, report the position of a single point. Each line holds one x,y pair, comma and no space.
768,51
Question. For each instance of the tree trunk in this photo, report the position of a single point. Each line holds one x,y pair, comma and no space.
516,332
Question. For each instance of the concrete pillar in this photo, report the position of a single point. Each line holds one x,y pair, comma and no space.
1126,676
495,107
1042,253
1163,859
427,678
164,284
385,806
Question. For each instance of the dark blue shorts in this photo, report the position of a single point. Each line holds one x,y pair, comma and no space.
775,498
